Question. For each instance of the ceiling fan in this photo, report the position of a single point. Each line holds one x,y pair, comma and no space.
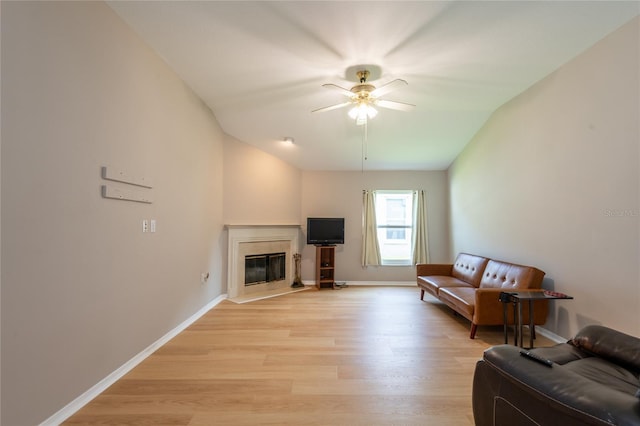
365,96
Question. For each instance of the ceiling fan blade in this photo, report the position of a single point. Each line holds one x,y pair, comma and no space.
392,85
342,90
329,108
400,106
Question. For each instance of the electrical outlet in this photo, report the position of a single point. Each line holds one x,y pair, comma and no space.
145,225
204,277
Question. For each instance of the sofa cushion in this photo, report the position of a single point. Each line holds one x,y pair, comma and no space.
561,353
433,283
469,268
505,275
605,373
461,299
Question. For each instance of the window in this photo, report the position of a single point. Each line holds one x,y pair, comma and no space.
394,218
394,228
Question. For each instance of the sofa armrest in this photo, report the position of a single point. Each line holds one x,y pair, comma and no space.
490,310
426,269
553,395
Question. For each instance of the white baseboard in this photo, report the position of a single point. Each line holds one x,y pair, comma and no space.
550,335
75,405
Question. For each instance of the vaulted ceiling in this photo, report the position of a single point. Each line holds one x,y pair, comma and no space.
260,67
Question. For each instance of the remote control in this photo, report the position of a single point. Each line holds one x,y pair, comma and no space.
537,358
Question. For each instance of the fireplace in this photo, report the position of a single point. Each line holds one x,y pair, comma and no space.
264,268
268,251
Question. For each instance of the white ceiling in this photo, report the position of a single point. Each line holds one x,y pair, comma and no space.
260,67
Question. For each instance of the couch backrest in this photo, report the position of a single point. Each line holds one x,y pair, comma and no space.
505,275
613,345
469,268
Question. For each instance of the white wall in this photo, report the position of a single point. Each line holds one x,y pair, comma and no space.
552,180
339,194
83,289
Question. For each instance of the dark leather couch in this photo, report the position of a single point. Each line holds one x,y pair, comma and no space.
594,380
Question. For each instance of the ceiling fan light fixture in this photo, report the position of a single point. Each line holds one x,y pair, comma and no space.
353,112
364,96
362,112
371,111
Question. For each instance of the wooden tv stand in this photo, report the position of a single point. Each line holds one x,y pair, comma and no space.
325,266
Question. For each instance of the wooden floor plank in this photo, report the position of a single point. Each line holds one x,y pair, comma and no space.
363,355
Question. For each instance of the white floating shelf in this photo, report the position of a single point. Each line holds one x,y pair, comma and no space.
111,173
121,194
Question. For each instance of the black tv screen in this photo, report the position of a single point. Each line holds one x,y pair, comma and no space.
325,230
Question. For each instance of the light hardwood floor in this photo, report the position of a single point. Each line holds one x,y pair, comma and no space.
355,356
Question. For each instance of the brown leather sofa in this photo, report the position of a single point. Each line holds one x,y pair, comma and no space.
594,380
471,286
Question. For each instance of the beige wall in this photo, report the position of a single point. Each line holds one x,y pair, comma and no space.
259,189
83,289
339,194
552,180
0,230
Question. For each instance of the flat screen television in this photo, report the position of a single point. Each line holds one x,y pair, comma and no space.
325,230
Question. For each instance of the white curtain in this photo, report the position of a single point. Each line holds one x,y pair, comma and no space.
370,248
420,237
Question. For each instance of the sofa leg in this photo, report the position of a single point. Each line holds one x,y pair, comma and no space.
421,294
474,328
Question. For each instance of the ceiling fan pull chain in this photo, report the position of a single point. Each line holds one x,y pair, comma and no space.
364,145
366,138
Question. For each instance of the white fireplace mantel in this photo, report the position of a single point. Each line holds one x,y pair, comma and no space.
241,234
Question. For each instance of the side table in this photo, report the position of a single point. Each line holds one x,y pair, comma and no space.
517,297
